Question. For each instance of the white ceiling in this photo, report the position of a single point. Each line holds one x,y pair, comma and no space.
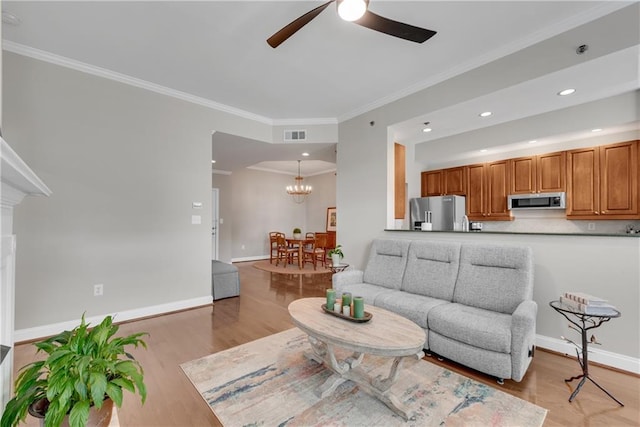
215,53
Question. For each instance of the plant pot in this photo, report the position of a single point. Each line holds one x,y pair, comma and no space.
297,236
335,259
97,417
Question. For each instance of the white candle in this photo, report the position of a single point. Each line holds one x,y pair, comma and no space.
346,310
337,307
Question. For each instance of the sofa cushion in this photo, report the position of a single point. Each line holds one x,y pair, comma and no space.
386,264
432,269
413,307
473,326
493,277
489,362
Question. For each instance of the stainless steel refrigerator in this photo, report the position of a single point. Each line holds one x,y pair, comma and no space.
446,213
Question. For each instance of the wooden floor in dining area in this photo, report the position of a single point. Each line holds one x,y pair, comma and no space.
261,310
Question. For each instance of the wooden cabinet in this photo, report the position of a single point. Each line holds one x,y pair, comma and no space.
476,192
487,189
544,173
431,183
442,182
331,239
602,182
400,199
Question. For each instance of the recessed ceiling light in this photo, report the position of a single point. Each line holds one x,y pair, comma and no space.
486,114
566,92
596,130
484,150
213,161
533,141
425,130
305,154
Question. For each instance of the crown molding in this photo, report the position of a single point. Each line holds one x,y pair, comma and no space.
306,122
63,61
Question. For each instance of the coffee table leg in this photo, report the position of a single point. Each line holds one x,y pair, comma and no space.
384,384
348,370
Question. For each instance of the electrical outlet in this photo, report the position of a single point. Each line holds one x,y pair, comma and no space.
97,290
242,247
591,226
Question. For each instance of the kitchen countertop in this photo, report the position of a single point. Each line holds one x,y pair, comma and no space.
636,235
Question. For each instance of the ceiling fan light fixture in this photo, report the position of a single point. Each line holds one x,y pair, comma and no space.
352,10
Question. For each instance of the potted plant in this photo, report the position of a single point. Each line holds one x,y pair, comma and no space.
297,233
336,255
84,372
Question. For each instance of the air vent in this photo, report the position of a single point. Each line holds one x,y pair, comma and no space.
295,135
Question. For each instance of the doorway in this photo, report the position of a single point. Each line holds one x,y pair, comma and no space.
214,223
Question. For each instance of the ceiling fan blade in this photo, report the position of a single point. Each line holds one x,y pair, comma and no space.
291,28
394,28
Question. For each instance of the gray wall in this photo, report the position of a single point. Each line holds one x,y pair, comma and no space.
124,165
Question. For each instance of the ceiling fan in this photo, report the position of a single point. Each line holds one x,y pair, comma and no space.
355,11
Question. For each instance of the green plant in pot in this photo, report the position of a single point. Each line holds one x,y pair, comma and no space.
297,233
85,371
336,254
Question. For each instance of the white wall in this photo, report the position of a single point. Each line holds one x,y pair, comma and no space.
255,202
124,165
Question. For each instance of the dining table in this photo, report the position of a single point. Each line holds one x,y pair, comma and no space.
299,243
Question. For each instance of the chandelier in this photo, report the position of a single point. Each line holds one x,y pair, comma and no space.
299,191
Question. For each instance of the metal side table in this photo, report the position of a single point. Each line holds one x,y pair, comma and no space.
584,322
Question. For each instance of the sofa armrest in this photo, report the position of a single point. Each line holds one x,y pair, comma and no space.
348,277
523,335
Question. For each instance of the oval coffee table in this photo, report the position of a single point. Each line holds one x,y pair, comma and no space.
386,334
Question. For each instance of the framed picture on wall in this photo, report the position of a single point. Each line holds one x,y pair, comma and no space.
331,219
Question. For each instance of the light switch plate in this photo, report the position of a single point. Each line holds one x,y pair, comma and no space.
196,219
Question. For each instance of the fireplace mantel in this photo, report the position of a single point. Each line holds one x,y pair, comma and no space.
18,181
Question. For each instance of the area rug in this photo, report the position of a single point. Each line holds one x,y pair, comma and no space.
290,269
269,382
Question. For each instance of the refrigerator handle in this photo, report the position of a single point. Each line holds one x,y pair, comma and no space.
427,216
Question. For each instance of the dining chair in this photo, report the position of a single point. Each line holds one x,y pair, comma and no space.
285,252
273,245
316,251
309,235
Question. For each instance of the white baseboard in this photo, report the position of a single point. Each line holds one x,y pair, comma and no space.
250,258
137,313
614,360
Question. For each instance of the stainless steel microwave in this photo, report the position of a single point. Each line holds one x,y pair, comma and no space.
537,201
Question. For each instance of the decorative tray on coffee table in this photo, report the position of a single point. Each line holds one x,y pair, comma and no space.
366,318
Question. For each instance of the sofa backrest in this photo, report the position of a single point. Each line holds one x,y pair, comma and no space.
432,268
387,261
494,277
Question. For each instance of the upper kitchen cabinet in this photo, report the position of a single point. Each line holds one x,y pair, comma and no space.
487,189
442,182
544,173
400,192
602,182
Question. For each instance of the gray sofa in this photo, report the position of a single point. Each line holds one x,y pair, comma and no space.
474,301
225,281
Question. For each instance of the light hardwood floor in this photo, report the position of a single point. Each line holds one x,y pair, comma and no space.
262,310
